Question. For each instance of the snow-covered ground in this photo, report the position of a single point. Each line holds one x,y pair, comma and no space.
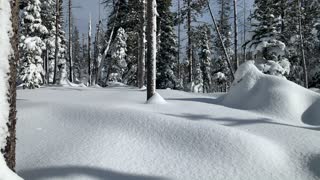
265,128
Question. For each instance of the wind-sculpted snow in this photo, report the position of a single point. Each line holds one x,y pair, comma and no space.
273,96
111,133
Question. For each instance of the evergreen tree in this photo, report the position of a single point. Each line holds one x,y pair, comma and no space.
132,28
267,41
117,17
118,56
205,57
32,45
48,18
76,54
191,9
166,57
62,52
220,65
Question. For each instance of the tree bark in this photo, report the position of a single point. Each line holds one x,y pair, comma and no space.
10,149
70,42
303,58
56,43
89,54
244,30
142,48
235,34
152,47
179,40
190,59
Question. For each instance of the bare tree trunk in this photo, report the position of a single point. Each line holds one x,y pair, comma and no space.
304,64
221,41
97,52
10,149
56,53
89,53
190,59
244,29
142,48
179,39
235,35
70,42
46,65
152,47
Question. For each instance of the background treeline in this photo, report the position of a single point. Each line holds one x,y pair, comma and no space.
281,36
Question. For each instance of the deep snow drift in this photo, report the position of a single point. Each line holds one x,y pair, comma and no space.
112,134
273,96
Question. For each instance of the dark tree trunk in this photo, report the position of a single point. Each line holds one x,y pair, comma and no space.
235,34
190,59
56,42
142,48
152,47
10,149
70,42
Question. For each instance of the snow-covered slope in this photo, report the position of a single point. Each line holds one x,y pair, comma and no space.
112,134
273,96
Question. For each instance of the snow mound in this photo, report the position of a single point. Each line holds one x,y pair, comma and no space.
143,88
156,99
112,134
272,96
116,84
317,90
67,83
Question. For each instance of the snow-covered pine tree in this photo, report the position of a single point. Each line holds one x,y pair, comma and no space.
191,9
97,55
167,52
310,15
84,61
205,57
118,56
117,17
197,83
220,65
76,54
267,41
48,18
62,51
132,29
31,45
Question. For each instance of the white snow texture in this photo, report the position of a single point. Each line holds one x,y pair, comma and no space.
265,128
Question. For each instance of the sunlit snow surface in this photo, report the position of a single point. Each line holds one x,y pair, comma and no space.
112,134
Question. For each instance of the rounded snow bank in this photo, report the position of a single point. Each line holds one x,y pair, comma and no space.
156,99
272,96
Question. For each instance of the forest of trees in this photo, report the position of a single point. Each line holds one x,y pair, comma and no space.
159,45
192,54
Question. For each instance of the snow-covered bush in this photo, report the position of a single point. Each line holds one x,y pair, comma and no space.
281,68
